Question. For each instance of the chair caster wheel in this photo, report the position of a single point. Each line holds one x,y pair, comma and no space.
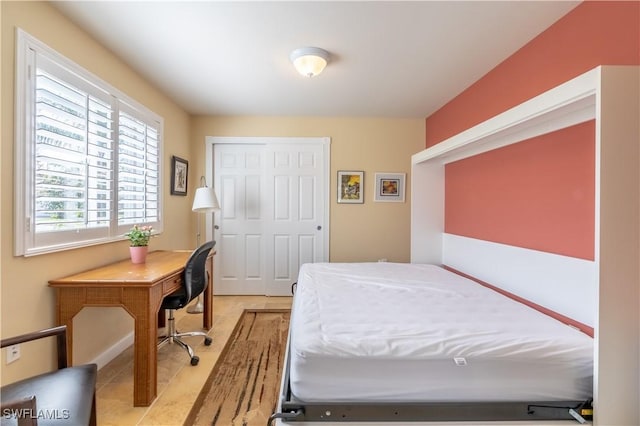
207,341
195,360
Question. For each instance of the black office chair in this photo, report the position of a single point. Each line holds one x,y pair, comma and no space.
194,282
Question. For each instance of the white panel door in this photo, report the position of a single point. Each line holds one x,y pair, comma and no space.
295,205
274,208
239,262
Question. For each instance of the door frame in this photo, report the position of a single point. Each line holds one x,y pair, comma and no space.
325,142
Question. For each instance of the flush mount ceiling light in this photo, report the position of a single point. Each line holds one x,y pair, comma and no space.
309,61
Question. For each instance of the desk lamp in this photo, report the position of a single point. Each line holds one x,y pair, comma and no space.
205,201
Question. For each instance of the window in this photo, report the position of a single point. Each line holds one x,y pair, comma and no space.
87,157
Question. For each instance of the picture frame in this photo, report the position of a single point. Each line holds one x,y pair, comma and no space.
179,175
390,187
350,187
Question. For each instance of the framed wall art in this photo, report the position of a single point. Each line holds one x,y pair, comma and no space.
350,187
390,187
179,173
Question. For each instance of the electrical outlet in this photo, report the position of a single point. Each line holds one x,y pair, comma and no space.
13,353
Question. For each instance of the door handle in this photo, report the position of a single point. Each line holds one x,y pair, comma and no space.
216,227
319,228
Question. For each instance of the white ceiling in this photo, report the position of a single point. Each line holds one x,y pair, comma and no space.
389,59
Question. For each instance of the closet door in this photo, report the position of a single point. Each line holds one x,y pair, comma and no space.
273,214
239,181
295,202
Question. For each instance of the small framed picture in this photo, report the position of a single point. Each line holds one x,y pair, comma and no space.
350,187
390,187
179,173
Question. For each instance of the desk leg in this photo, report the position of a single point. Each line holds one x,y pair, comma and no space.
207,312
162,318
69,302
143,304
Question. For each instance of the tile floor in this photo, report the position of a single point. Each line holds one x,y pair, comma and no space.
179,383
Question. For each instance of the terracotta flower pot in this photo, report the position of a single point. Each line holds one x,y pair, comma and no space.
138,254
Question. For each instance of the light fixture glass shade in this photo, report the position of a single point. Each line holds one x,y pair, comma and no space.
205,200
309,61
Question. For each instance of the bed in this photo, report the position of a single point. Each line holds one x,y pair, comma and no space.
408,342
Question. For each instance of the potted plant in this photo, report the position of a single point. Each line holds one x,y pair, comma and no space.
139,242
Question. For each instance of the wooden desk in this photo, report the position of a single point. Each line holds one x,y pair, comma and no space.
139,289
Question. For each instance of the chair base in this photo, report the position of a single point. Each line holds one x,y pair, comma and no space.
173,336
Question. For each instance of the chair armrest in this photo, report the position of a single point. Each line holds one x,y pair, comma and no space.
61,341
23,409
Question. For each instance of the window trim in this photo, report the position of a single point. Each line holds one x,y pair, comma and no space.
23,148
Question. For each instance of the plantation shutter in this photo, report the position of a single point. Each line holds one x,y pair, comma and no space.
88,157
73,156
138,171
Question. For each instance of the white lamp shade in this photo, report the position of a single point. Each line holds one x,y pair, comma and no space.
309,61
205,200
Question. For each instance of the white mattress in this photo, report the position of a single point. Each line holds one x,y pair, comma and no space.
413,332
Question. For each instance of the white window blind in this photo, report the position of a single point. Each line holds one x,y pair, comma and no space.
138,167
87,156
73,156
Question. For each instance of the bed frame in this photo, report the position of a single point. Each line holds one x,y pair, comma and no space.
291,410
576,295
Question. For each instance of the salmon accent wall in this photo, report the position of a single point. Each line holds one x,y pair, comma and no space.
594,33
537,194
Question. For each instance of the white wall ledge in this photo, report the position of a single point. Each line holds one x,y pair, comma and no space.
565,105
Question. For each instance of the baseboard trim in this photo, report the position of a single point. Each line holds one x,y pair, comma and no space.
107,356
